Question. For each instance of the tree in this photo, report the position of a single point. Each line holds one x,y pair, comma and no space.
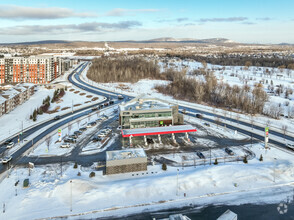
164,167
284,129
260,158
245,159
75,165
69,126
48,141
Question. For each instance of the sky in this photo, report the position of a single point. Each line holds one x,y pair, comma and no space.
245,21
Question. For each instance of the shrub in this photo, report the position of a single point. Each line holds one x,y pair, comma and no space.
164,167
79,173
92,174
245,159
215,162
76,165
261,157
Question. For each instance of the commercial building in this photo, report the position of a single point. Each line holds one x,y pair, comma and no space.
37,70
124,161
143,112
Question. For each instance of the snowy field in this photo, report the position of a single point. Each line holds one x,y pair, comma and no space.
229,183
146,86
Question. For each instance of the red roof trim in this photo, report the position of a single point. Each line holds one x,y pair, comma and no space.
156,133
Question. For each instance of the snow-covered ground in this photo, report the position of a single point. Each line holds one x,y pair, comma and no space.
21,114
53,149
49,193
146,86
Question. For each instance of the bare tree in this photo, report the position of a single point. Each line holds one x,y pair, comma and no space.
284,128
48,141
69,128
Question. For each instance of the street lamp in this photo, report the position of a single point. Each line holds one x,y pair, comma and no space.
177,182
275,159
71,195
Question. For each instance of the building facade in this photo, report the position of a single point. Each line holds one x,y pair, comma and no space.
125,161
12,97
37,70
149,112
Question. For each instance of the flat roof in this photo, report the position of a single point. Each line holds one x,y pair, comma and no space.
125,154
157,130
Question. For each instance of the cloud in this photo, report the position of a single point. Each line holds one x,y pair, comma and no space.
173,20
248,22
21,12
230,19
123,11
264,19
91,27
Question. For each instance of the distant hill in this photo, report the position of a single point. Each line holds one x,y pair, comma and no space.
38,42
192,40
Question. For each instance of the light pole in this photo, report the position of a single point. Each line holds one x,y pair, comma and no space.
275,170
177,182
71,195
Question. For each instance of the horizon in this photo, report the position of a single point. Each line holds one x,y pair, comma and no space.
250,22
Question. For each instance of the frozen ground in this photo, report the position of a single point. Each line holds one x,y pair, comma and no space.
146,86
49,193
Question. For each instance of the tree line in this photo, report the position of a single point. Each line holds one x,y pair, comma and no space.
122,69
215,93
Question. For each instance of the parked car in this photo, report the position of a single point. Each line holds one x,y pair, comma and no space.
184,111
83,129
70,140
91,124
111,102
95,139
200,155
102,134
95,108
98,119
65,145
73,136
106,104
100,106
229,151
10,145
120,97
199,116
8,141
207,124
57,117
78,133
291,146
6,159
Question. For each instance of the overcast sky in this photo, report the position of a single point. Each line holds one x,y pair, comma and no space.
246,21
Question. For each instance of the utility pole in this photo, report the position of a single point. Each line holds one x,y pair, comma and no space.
22,131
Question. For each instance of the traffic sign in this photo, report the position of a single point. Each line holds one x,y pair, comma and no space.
266,129
59,130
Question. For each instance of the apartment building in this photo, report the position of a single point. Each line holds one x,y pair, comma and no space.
37,70
12,97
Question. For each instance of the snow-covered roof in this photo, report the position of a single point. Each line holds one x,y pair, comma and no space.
10,93
125,154
157,130
2,99
145,103
27,84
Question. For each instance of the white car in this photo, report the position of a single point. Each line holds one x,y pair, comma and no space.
6,159
290,146
102,135
10,145
65,145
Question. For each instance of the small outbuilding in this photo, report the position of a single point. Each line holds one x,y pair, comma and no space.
125,161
